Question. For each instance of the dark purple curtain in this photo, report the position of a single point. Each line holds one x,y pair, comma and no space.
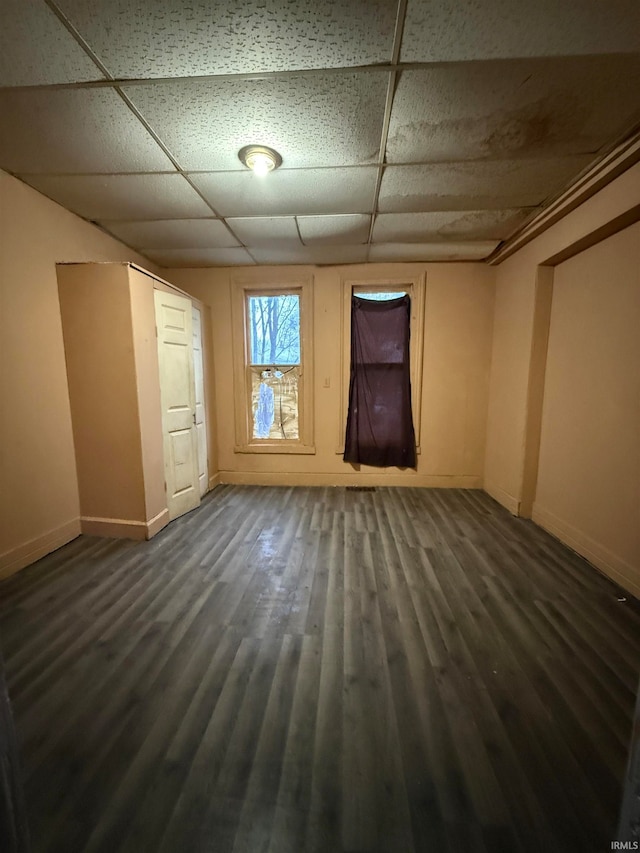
379,423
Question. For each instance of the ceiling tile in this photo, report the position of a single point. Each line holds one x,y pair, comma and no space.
265,230
173,233
31,33
318,120
447,225
76,131
199,257
474,147
480,185
296,191
310,255
124,197
494,29
174,38
467,251
349,228
517,108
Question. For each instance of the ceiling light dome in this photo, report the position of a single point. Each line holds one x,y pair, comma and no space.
259,158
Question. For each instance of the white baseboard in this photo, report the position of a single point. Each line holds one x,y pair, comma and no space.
124,528
355,478
623,573
27,553
504,498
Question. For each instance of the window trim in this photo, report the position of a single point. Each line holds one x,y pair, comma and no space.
415,286
241,288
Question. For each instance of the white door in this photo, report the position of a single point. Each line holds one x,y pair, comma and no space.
177,396
201,428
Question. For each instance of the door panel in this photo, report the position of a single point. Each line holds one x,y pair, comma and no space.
201,429
181,453
177,395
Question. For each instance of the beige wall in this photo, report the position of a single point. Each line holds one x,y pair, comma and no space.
211,408
593,508
513,324
39,497
457,346
101,372
111,353
513,340
588,489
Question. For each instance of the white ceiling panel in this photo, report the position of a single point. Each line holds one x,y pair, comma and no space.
484,184
319,120
74,131
173,233
447,225
123,197
174,38
310,255
35,48
519,108
265,230
334,230
463,251
288,192
199,257
495,29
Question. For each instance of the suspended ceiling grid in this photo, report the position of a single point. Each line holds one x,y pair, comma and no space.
415,130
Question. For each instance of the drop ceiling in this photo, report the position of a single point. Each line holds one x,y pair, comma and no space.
409,129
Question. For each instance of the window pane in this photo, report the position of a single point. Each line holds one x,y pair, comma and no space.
274,402
379,296
274,329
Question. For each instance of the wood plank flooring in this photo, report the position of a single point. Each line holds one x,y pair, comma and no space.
287,670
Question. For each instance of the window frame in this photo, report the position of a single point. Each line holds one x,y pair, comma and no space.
415,286
241,290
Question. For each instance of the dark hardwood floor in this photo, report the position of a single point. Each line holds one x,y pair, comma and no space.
288,670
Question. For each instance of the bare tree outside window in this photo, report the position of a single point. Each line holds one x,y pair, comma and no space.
274,326
274,338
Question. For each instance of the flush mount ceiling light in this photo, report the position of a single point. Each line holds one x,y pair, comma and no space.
259,158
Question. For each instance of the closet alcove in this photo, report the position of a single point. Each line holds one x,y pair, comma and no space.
134,358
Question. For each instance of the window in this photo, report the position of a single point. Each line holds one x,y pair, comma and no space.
271,326
383,290
274,364
378,295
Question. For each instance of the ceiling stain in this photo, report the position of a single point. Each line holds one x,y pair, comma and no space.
478,224
549,126
553,125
